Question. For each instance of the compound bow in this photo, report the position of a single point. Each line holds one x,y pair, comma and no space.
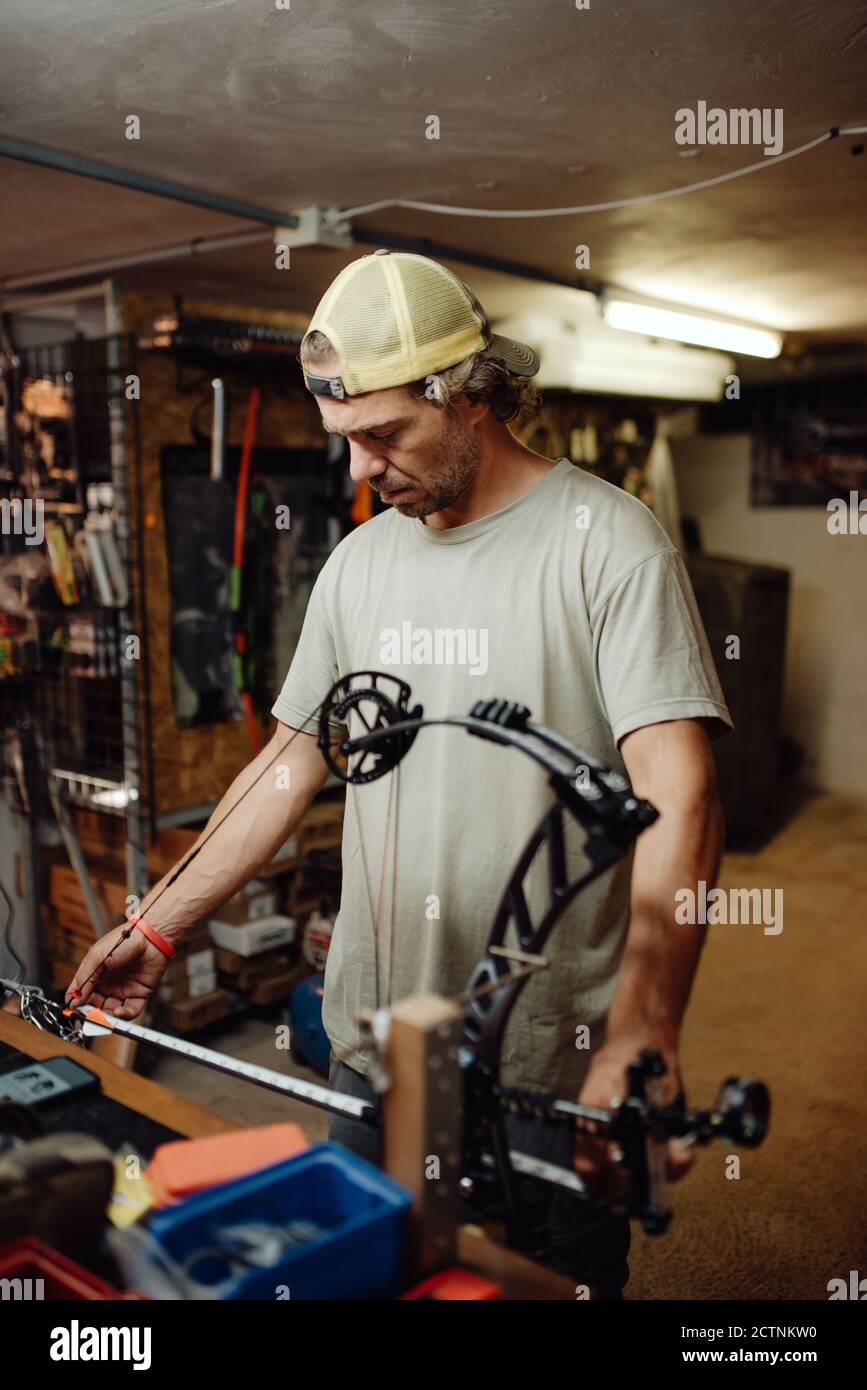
602,802
495,1178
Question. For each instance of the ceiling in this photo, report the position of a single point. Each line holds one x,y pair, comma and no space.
540,104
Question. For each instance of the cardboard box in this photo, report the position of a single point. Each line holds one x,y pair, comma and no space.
255,900
103,839
200,962
321,828
187,986
169,848
66,895
63,948
60,974
276,988
70,923
189,1014
253,937
242,972
190,976
193,942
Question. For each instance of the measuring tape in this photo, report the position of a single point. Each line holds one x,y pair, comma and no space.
99,1024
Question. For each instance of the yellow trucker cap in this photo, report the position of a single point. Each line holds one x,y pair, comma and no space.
395,317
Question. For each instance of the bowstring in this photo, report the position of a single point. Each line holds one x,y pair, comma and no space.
375,909
185,863
393,915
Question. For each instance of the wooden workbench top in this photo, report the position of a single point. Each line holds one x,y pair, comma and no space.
146,1097
520,1278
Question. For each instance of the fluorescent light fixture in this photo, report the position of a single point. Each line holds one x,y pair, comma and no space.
587,355
655,321
670,381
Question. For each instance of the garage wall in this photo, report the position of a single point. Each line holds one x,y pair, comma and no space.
195,766
826,664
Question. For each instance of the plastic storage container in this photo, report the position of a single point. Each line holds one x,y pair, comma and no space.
355,1253
183,1167
310,1042
44,1273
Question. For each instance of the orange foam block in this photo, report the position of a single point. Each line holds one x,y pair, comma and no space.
185,1166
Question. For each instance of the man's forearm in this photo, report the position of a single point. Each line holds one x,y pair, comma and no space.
235,844
661,954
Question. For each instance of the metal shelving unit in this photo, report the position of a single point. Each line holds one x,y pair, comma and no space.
88,715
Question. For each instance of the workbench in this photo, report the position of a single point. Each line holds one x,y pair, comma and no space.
519,1278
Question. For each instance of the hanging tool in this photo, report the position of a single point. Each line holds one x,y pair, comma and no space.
241,654
218,431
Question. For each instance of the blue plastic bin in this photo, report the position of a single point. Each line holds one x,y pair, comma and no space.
360,1211
310,1042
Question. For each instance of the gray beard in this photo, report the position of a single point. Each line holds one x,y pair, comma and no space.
455,465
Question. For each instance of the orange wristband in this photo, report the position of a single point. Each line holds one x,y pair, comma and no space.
153,936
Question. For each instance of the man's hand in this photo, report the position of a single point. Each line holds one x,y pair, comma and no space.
125,981
225,858
607,1081
671,765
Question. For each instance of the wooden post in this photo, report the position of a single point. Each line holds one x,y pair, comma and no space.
422,1118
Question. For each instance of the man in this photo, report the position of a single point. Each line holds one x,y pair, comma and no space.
494,572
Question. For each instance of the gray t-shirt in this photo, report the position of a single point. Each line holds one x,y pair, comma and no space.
571,601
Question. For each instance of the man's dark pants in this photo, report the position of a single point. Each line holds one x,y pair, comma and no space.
588,1244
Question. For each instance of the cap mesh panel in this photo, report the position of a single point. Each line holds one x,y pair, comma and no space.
393,326
362,314
437,308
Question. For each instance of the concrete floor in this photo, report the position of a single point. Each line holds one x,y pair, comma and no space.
252,1040
788,1008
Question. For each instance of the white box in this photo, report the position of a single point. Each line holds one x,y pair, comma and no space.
203,984
248,940
197,985
200,963
264,905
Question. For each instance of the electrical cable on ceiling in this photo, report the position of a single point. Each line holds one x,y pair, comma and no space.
766,163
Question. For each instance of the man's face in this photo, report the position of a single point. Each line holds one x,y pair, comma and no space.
417,456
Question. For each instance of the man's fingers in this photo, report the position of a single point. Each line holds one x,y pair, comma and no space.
79,994
82,984
679,1159
112,957
596,1167
79,989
